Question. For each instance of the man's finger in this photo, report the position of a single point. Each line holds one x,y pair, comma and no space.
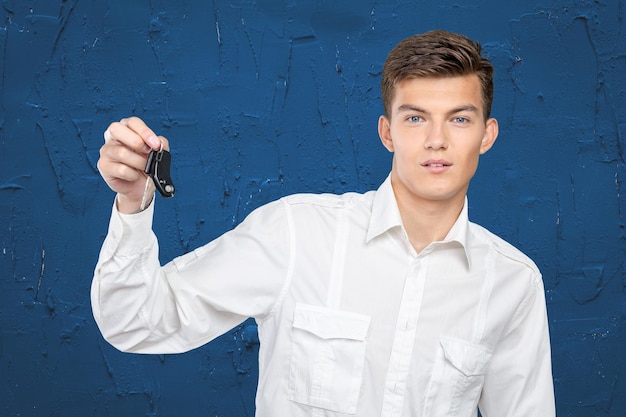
145,133
107,136
124,155
120,133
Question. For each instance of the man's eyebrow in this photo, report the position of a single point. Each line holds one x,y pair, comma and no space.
464,108
412,108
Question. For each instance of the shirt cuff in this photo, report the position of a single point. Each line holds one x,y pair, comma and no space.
131,234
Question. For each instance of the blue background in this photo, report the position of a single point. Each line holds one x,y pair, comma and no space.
267,98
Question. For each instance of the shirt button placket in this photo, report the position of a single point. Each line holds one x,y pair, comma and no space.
404,339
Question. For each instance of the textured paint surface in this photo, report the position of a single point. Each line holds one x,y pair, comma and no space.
265,98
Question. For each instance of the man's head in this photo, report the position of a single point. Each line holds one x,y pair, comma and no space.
436,54
437,92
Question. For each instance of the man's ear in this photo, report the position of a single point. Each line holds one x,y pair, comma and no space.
384,131
491,134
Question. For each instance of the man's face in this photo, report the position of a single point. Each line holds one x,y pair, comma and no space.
436,131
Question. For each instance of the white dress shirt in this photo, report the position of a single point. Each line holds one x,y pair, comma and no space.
351,320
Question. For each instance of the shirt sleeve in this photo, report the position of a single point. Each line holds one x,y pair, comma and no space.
143,307
519,381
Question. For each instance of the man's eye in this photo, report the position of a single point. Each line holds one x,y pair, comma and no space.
415,119
460,120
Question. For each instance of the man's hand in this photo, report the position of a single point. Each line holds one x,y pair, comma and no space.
123,158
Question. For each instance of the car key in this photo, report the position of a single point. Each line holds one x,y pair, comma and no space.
158,168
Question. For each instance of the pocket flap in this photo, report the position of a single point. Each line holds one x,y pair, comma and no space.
331,324
469,358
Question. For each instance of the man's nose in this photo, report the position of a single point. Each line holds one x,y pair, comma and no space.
437,137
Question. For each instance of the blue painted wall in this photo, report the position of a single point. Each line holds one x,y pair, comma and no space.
267,98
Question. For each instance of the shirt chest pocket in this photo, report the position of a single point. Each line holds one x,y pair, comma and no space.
457,379
327,358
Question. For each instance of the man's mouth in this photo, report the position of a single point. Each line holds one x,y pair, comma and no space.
436,164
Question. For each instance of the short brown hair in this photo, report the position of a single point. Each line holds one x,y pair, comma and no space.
436,54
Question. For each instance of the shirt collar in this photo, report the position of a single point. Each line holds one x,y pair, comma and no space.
386,215
460,233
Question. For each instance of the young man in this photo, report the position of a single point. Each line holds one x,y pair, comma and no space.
388,303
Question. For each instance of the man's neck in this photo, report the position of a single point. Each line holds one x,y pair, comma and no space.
428,221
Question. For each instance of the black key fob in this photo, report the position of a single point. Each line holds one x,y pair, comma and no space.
158,168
